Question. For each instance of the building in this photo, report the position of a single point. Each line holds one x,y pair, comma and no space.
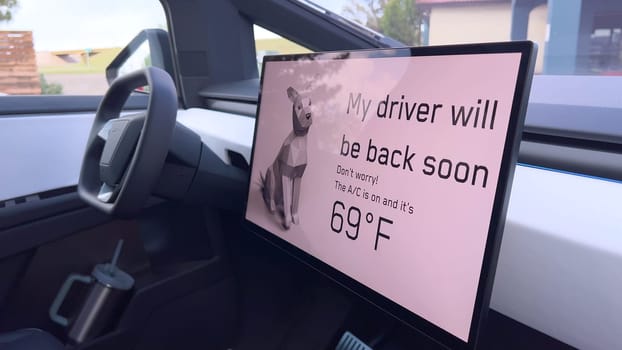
574,36
18,68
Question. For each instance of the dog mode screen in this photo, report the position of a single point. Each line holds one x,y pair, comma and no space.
386,169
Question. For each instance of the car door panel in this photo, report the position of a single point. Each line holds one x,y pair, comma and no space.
41,152
42,140
28,303
174,254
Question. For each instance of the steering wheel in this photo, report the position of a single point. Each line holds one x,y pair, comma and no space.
125,155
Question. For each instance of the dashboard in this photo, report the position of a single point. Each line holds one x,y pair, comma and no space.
557,269
557,266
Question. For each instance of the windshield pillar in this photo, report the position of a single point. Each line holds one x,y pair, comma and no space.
564,21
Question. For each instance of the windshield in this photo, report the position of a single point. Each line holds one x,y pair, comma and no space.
574,37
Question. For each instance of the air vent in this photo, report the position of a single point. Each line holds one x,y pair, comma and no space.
238,160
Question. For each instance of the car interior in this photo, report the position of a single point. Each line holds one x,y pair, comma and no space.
124,217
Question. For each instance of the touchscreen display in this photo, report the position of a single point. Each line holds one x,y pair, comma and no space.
387,168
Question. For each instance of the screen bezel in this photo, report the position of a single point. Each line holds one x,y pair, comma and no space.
527,49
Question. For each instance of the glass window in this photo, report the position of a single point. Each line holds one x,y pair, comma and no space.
269,43
574,36
64,46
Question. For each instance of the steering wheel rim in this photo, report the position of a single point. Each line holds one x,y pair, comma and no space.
148,144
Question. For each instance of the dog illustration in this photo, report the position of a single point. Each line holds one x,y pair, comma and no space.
280,186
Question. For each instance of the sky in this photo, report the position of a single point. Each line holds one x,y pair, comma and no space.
96,23
110,23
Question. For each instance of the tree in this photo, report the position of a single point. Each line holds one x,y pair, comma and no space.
5,9
401,21
366,12
398,19
50,88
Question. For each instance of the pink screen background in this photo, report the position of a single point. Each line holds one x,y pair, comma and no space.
431,264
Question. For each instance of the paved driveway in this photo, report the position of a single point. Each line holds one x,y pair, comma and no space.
80,84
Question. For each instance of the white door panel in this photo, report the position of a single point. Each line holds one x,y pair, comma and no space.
40,153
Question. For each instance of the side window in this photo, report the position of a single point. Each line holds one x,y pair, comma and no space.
141,58
63,47
269,43
574,37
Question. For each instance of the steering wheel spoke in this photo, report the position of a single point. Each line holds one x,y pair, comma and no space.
103,132
107,193
125,155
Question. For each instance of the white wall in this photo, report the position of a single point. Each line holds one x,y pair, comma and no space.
468,23
459,24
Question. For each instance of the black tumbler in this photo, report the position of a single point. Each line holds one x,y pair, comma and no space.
107,297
